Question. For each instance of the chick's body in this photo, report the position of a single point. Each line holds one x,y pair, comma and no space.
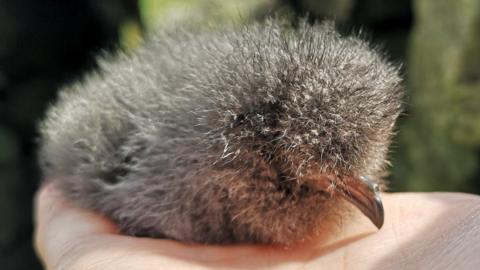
224,136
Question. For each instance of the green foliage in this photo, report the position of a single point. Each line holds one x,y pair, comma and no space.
444,117
156,13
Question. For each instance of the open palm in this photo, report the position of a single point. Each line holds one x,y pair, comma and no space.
421,231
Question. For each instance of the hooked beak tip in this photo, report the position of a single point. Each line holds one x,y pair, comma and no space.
365,195
378,216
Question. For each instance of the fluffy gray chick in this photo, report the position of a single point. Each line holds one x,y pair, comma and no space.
258,134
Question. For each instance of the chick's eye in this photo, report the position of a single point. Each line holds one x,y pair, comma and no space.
304,189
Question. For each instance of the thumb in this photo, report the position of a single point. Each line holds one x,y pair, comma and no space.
59,226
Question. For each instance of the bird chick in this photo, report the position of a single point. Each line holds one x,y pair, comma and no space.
256,134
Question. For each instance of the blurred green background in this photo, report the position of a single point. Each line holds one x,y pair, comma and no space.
46,44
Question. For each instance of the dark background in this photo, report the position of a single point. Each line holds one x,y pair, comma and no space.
46,44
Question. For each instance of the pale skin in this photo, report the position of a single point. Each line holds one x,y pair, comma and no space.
421,231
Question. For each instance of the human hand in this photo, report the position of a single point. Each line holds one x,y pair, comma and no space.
421,231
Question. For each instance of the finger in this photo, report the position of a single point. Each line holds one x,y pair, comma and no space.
60,227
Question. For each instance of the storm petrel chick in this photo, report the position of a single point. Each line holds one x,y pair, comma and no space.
254,134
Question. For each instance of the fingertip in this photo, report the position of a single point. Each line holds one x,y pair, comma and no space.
53,209
47,202
59,224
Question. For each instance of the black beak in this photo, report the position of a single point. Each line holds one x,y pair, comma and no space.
365,195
